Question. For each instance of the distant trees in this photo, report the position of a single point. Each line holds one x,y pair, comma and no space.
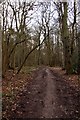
15,32
68,32
53,40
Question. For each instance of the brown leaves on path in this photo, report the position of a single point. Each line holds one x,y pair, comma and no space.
72,79
12,86
14,89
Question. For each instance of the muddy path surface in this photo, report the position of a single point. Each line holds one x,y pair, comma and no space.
48,95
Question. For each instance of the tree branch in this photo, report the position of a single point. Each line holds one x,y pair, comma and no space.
29,54
15,46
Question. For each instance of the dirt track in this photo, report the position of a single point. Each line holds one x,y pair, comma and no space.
48,95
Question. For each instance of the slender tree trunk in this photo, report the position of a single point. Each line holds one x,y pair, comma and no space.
39,53
39,50
48,47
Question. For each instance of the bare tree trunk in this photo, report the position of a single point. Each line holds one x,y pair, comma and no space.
48,48
66,41
39,50
0,49
79,53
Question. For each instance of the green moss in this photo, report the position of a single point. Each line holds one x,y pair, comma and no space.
28,69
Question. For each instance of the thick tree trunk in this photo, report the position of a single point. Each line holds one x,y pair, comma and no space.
4,58
0,49
79,53
66,41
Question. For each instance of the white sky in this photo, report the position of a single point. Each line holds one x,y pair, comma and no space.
37,14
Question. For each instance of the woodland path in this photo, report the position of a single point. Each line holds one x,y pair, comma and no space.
48,95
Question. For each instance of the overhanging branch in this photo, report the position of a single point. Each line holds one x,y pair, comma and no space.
29,54
15,47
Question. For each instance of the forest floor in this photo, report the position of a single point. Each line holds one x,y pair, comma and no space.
45,93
